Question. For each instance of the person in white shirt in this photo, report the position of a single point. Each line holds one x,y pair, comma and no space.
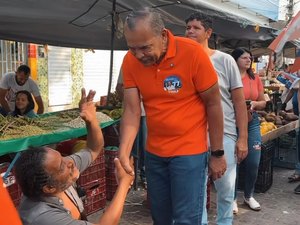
13,82
199,28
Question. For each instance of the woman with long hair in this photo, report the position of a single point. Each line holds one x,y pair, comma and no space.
254,95
24,105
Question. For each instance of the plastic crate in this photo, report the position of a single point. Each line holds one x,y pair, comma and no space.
287,150
95,197
111,135
66,147
110,140
264,177
11,184
111,182
111,185
267,152
110,191
113,130
110,153
265,171
95,171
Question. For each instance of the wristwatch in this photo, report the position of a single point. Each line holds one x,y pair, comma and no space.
217,153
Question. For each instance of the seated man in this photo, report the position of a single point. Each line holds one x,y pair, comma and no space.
47,179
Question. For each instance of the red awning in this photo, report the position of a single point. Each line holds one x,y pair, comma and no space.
289,33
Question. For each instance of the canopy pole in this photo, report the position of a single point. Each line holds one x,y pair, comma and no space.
112,43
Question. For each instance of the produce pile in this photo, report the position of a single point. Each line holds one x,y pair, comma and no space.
268,91
114,100
271,121
113,106
19,127
114,114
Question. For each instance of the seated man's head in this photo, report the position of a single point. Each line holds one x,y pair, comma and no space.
42,171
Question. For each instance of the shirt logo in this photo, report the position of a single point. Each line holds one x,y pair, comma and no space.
172,84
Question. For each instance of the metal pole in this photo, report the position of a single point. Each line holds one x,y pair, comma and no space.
112,37
215,41
290,10
2,57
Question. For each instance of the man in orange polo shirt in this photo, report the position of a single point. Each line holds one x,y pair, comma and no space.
181,96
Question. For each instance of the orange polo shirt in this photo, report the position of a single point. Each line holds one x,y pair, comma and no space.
8,212
175,113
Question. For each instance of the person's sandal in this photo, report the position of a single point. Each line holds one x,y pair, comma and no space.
294,178
297,190
252,203
235,208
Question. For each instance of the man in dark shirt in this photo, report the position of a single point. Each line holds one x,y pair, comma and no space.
46,179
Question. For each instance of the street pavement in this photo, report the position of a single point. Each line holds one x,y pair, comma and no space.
280,206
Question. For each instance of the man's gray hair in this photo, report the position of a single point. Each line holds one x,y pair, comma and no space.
150,15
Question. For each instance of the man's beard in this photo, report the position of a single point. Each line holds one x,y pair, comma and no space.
147,61
19,83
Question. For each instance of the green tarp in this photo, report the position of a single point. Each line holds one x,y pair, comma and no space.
20,144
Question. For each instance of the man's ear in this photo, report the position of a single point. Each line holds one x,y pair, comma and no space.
47,189
208,33
164,34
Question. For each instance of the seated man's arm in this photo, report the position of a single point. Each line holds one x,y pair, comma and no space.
114,211
88,113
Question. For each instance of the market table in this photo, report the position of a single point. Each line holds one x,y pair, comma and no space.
20,144
268,156
280,131
16,145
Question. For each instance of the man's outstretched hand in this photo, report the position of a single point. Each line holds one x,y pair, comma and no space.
84,98
121,175
86,106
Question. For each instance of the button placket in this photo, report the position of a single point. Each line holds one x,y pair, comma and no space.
158,76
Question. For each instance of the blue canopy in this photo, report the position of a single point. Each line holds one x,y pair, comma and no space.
268,8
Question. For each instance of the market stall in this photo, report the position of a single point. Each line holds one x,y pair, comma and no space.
19,139
272,135
271,148
279,146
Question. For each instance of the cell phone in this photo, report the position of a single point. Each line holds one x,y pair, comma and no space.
248,102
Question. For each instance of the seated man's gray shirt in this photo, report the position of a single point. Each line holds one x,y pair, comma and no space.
50,210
